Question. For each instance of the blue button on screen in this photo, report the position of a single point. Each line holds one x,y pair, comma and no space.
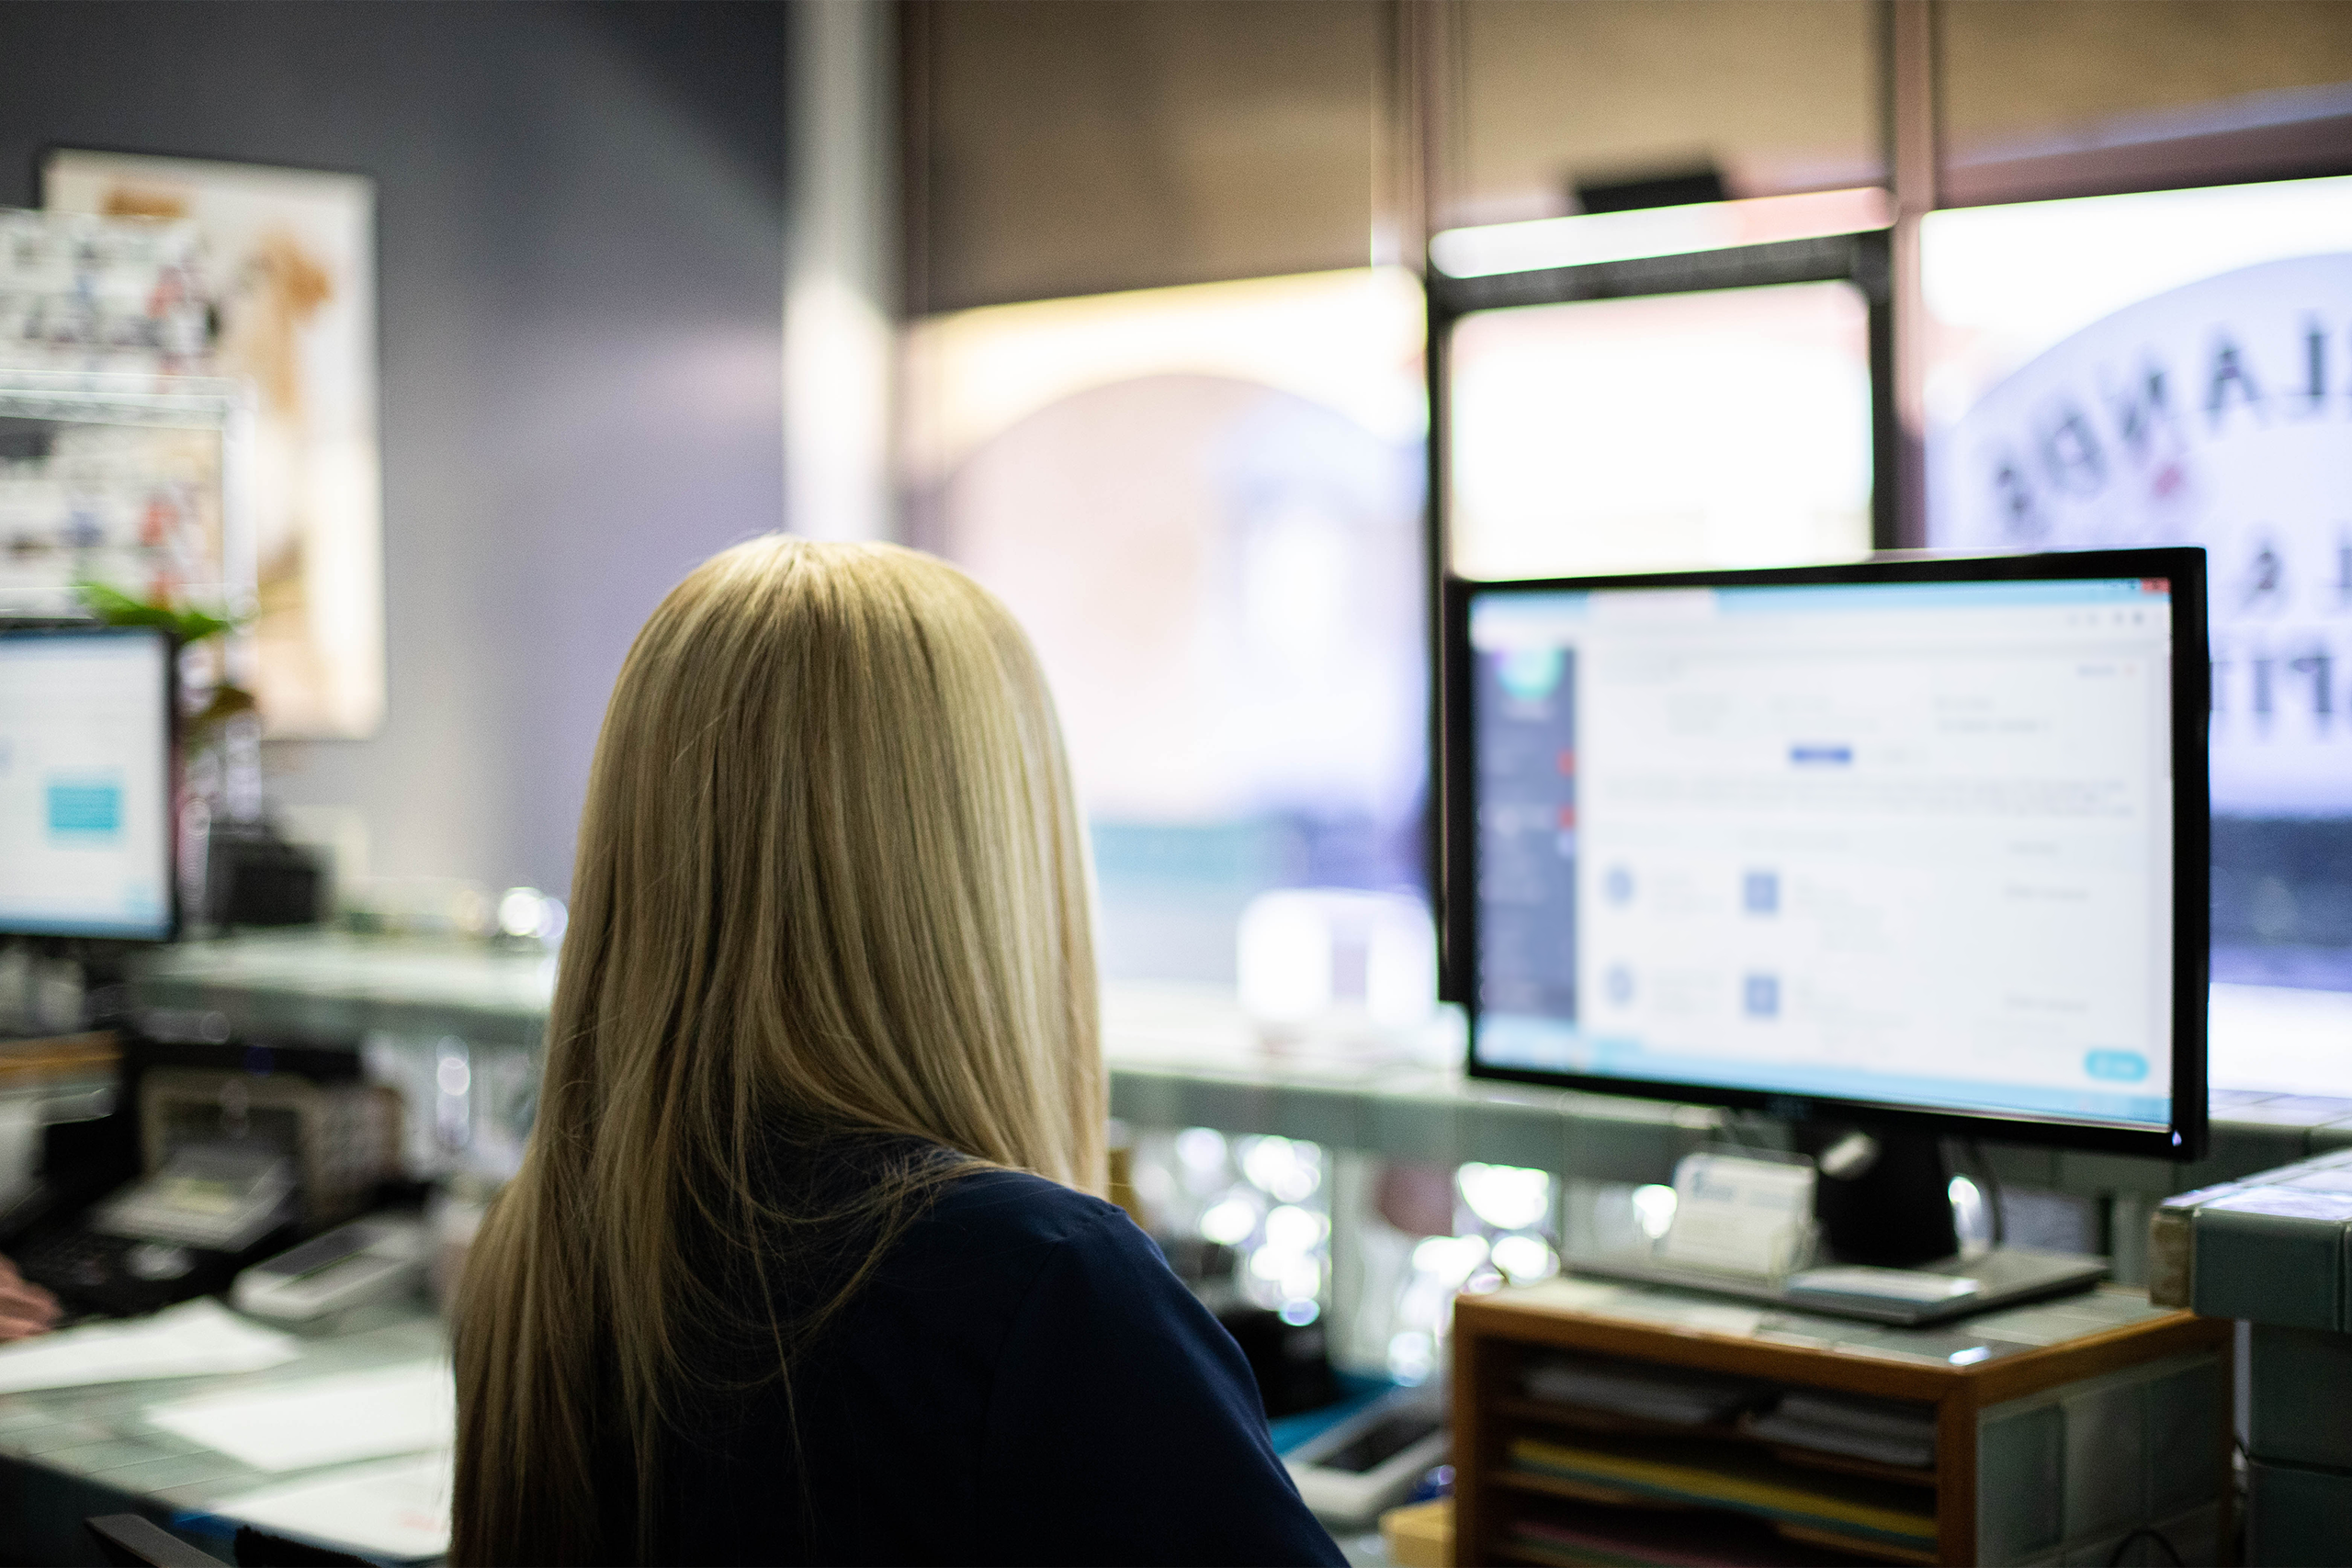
85,810
2116,1066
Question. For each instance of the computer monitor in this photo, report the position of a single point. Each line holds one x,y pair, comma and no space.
86,783
1918,844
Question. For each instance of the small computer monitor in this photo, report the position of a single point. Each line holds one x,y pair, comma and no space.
86,783
1911,842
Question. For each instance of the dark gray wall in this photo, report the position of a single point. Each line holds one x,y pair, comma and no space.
581,214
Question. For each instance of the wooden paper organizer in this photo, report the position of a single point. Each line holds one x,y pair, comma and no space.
2040,1453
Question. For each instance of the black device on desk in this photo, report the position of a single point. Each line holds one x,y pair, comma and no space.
237,1163
1913,845
185,1230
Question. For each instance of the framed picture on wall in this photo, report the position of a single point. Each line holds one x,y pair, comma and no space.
291,258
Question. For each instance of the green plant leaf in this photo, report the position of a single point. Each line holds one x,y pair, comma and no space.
116,608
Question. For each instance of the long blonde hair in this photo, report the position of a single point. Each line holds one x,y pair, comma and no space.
831,874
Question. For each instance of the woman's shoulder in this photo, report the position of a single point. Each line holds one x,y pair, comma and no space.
1012,1215
989,1250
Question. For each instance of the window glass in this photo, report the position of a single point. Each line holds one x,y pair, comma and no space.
2175,367
1205,505
1726,428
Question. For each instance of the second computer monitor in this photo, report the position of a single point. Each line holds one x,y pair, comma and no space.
86,784
1922,839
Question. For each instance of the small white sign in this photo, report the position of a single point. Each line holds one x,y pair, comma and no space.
1741,1216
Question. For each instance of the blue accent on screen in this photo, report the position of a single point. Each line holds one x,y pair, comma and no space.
1879,597
42,918
86,809
1801,599
1531,675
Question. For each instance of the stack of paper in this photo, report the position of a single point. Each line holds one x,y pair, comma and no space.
1889,1431
193,1339
1655,1393
1662,1538
1748,1481
398,1508
322,1421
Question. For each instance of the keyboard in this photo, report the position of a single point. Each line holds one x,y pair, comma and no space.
117,1277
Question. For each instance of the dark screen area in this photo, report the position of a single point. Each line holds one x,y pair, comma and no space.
1527,827
1384,1442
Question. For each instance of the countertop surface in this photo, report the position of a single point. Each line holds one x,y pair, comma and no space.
1183,1056
100,1434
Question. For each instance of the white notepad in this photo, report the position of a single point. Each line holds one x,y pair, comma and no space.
397,1508
304,1426
192,1339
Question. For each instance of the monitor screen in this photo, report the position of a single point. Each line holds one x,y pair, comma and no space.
85,785
1899,835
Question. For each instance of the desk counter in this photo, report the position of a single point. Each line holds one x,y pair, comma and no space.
68,1454
1178,1057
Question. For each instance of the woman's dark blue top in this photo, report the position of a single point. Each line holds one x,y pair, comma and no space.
1024,1381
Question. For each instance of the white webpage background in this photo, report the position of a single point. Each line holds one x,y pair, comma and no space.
1981,893
82,709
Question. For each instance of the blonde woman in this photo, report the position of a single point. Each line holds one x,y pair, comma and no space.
803,1263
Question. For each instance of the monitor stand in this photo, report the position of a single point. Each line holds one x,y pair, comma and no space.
1883,1199
1885,1205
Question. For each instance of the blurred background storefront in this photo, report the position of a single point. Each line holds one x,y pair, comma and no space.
1148,249
1128,309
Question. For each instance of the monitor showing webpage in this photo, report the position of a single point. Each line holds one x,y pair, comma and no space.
1905,843
85,797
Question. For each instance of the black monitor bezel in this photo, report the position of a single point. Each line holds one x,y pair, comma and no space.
2183,567
171,700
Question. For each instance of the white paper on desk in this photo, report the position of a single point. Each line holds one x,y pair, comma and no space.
192,1339
1567,1295
1704,1317
322,1421
394,1509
